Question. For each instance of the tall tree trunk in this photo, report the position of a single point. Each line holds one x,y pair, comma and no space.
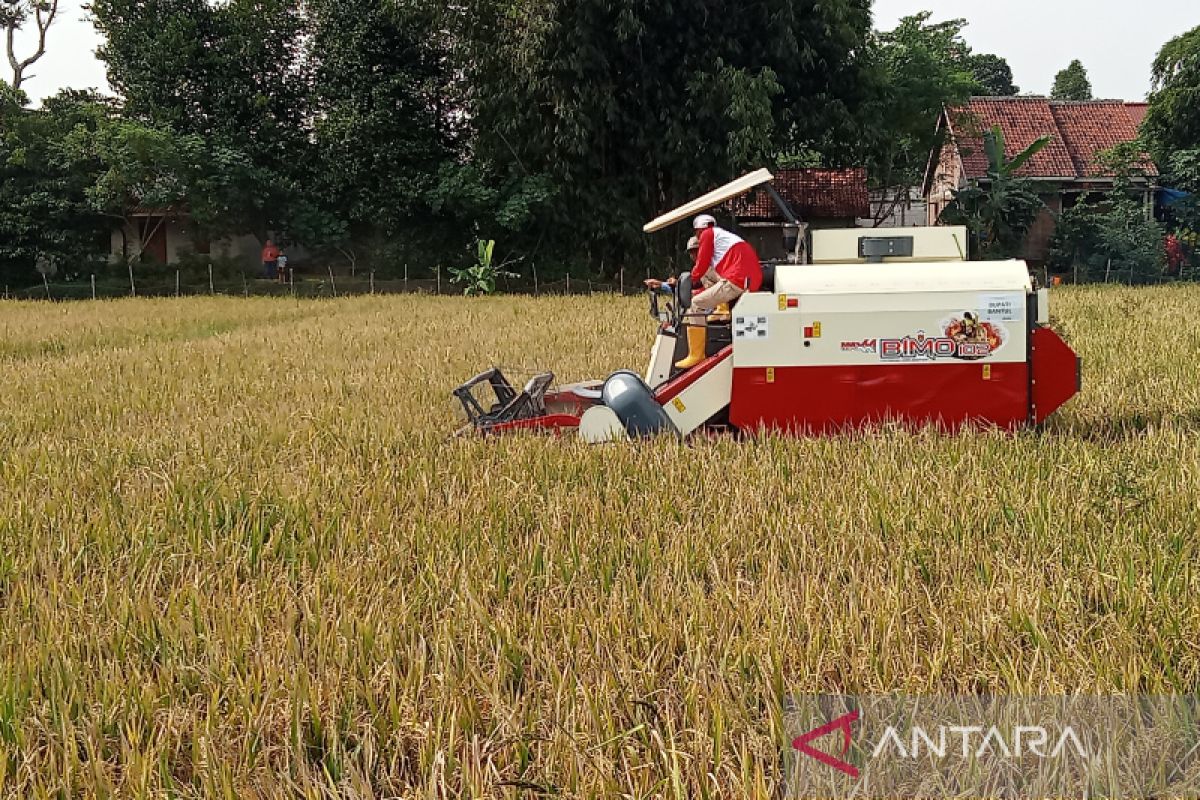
43,18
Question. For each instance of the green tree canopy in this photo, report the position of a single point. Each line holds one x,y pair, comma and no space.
229,73
44,208
1072,83
1173,120
625,108
993,74
917,69
385,125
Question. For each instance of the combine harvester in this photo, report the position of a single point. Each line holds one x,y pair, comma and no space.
883,325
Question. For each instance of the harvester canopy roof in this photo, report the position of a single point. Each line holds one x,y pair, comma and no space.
710,200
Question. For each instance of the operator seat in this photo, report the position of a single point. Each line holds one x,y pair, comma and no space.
768,277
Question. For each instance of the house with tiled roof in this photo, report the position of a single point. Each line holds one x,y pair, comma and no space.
1066,169
821,198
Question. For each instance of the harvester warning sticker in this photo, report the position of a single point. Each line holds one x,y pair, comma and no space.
1001,307
750,327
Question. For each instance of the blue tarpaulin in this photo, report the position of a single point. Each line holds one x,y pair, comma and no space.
1169,197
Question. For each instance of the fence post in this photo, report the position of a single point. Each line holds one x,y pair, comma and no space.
245,286
332,282
439,278
132,286
177,283
372,281
622,274
46,281
406,278
589,281
211,290
93,286
292,280
535,284
568,281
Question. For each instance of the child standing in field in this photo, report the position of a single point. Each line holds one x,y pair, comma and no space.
281,266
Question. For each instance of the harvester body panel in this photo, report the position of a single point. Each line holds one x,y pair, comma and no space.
842,346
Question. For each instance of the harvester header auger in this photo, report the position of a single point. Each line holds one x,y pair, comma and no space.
882,325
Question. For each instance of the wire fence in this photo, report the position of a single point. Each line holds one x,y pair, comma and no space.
307,286
333,285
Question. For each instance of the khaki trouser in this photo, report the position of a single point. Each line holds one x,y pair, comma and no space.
713,295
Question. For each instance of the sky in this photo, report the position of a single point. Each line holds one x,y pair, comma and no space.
1115,39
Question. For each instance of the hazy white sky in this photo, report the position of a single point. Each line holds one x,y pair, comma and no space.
1115,39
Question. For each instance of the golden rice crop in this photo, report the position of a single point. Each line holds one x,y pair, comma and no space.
240,556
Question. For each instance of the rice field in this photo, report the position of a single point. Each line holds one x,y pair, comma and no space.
241,556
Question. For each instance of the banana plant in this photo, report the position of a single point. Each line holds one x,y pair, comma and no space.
998,212
480,277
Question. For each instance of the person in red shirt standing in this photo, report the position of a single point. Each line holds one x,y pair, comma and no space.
727,266
270,258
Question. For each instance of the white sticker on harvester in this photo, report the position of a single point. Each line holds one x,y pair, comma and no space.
750,327
1001,307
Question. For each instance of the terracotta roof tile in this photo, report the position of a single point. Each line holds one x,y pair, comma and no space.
812,194
1137,112
1079,131
1092,127
1023,120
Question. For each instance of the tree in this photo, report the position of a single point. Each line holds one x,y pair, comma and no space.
1111,236
385,126
993,74
1173,119
1072,83
623,108
145,167
231,74
14,14
45,215
998,210
918,69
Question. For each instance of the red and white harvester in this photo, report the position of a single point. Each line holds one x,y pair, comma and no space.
882,325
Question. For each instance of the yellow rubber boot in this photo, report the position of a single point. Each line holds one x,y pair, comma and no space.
697,337
720,313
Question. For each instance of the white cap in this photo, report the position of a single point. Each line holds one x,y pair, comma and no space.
693,243
704,221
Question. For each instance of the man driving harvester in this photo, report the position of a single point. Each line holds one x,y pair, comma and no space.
727,266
